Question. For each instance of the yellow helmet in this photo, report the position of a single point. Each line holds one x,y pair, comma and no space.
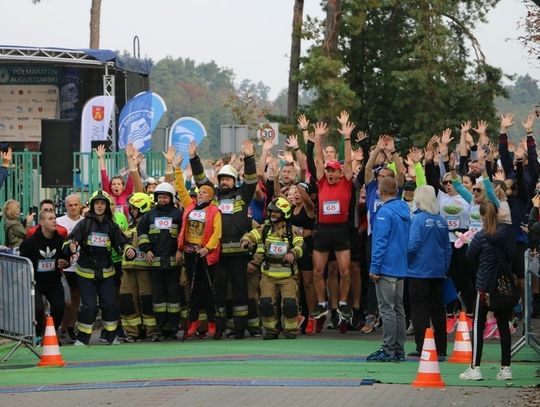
101,195
141,201
282,205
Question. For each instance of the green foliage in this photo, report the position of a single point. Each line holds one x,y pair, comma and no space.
403,68
197,90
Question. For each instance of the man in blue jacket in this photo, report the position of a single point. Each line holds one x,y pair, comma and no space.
388,268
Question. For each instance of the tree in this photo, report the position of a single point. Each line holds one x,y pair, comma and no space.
294,67
406,67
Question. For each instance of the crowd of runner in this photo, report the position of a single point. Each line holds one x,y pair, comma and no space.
350,236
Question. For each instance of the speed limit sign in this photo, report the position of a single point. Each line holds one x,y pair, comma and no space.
268,131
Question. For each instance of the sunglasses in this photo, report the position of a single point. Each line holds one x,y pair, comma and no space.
447,182
477,189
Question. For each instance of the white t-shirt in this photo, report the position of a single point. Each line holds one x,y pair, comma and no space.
456,211
69,224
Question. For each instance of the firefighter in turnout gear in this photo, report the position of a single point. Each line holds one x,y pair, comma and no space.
233,203
157,234
97,236
136,287
279,245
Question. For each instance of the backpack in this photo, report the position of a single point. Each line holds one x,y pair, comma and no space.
504,294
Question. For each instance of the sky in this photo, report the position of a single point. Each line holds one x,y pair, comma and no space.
252,37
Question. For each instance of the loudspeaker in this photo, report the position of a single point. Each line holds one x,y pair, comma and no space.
56,153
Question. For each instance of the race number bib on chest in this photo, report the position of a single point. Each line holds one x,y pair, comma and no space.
99,239
331,208
475,226
45,265
163,223
277,249
226,206
197,216
452,221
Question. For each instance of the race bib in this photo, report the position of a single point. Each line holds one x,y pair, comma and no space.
119,208
226,206
163,223
278,249
452,221
331,208
45,265
197,216
99,239
139,255
475,226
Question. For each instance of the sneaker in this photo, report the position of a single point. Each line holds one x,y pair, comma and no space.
356,319
491,327
254,332
380,356
335,319
155,338
451,323
311,326
410,329
192,328
369,326
79,343
115,341
130,339
344,312
472,373
268,336
505,373
211,329
37,341
289,335
320,324
319,311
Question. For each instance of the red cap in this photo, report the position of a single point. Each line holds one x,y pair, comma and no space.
335,165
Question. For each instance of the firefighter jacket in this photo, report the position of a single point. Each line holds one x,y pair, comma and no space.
139,262
233,205
158,233
97,239
273,242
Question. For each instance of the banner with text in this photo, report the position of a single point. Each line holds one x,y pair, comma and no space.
95,121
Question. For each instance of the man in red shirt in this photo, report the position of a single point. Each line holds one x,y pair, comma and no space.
47,205
335,185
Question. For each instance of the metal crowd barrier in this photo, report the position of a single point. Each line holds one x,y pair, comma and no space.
17,319
532,266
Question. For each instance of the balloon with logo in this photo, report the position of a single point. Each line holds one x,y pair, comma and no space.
184,131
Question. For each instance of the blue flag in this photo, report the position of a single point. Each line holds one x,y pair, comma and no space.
138,119
184,131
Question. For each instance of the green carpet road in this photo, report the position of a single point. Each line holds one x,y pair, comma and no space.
304,358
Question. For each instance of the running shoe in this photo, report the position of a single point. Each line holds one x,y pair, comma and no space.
505,373
319,311
472,373
356,319
311,326
369,326
380,356
491,327
268,336
335,319
320,324
344,312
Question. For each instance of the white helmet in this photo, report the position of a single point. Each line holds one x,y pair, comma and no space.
164,189
149,180
228,171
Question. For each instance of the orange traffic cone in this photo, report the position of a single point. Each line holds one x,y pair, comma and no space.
429,374
50,355
462,344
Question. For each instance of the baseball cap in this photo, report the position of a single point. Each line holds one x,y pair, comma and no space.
335,165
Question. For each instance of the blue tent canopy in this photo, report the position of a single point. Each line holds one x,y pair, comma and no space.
86,56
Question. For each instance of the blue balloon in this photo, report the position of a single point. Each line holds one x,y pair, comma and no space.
183,132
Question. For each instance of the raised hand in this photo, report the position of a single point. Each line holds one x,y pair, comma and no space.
346,129
381,142
100,151
321,128
292,142
466,126
446,137
268,144
507,120
499,175
303,122
178,160
481,127
528,124
389,145
343,118
247,148
169,154
428,154
415,154
361,136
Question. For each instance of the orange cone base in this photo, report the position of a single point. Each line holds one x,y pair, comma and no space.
460,358
51,361
429,382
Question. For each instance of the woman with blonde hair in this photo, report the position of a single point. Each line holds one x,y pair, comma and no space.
15,231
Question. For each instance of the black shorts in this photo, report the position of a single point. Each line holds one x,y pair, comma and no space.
305,263
355,246
71,278
331,237
518,265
